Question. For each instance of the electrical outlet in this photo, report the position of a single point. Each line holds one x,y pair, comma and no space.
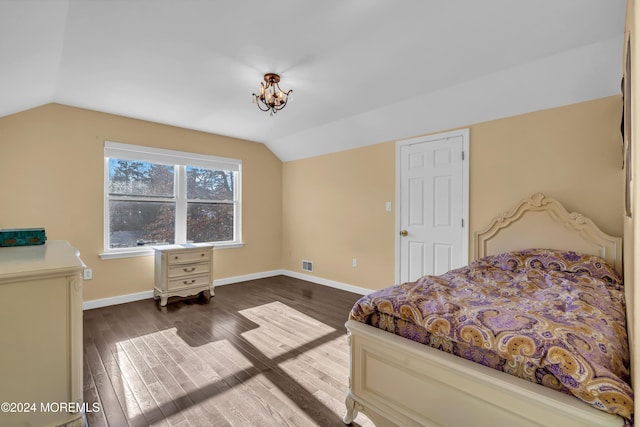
354,262
88,274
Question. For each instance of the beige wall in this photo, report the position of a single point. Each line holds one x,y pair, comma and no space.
51,175
334,211
571,153
631,231
328,209
334,204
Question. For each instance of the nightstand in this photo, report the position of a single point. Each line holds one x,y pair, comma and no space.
183,270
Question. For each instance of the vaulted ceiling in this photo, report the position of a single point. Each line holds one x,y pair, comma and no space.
362,71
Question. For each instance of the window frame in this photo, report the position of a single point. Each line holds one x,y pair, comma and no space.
180,160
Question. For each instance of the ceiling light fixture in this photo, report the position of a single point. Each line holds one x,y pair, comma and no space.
271,97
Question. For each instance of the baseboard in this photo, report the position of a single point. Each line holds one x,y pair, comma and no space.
122,299
327,282
296,275
247,277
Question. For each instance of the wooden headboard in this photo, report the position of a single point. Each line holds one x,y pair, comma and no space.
542,222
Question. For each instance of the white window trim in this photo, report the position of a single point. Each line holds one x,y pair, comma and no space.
169,157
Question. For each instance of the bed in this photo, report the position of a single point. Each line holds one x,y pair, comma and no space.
400,381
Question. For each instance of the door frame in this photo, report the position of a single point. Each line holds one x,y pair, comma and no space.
464,133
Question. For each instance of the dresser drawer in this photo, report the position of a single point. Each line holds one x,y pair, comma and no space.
191,256
187,282
188,269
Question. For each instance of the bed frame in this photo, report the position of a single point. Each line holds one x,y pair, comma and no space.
396,381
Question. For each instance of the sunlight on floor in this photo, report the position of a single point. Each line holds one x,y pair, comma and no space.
306,352
233,378
129,383
282,328
141,371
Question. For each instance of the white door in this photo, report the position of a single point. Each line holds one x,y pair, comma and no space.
433,181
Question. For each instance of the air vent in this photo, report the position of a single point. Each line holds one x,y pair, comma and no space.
307,265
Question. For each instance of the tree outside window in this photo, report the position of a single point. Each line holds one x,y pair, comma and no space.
152,203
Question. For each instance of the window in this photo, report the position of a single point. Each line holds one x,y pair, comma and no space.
159,197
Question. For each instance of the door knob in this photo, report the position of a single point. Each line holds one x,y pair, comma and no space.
404,233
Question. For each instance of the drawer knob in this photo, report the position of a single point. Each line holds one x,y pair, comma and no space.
202,254
189,270
187,282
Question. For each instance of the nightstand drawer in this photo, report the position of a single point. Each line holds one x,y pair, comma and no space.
191,256
189,269
186,282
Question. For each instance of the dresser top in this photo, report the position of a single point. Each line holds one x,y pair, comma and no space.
55,256
184,246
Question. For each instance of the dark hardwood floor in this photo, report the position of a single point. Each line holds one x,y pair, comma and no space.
268,352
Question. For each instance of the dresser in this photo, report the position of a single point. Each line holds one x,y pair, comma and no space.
41,335
183,270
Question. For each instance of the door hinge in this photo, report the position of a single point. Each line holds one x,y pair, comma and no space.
463,155
462,222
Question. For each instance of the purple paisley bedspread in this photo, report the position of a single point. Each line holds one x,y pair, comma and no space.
551,317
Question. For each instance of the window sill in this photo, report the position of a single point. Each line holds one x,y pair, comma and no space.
149,251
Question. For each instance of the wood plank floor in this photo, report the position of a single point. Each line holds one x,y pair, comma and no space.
268,352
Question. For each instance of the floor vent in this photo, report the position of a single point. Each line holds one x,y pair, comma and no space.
307,265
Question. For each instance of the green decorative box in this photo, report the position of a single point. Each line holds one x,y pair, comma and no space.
22,236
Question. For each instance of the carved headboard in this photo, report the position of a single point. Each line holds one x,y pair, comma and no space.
542,222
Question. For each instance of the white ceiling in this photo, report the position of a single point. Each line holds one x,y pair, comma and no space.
362,71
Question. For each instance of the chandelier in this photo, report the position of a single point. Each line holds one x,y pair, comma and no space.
271,97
